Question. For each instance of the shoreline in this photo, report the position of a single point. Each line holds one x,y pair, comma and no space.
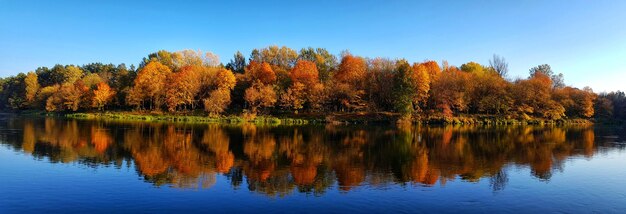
304,119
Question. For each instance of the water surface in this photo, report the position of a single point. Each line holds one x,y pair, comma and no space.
56,165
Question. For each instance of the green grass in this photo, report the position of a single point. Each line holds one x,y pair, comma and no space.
122,116
342,119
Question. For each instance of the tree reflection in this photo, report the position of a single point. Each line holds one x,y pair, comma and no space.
277,161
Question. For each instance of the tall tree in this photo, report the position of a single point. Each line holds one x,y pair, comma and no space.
182,87
350,80
237,64
420,79
404,87
32,86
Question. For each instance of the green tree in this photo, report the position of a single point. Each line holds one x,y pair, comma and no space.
404,87
237,64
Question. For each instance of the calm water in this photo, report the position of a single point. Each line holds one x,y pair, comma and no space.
53,165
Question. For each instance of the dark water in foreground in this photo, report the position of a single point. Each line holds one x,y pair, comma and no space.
53,165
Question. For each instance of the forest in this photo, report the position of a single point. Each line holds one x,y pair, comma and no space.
282,81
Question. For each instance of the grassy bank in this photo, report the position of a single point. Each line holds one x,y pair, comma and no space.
335,118
130,116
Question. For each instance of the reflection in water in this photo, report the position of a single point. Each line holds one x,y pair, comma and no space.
309,159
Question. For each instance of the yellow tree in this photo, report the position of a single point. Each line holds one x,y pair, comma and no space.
219,98
71,74
432,68
260,96
32,86
420,79
150,85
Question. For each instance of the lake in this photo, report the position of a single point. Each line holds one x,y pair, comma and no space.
53,165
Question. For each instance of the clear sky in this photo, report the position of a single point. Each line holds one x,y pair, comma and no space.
584,40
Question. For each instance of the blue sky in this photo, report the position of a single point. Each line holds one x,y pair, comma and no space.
584,40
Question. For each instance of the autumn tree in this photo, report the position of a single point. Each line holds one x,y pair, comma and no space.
380,84
282,60
163,57
533,96
182,87
195,58
473,67
260,96
420,79
326,62
432,68
149,85
282,57
102,95
71,74
577,103
411,86
305,72
91,80
216,86
32,86
304,77
259,79
46,97
450,91
545,69
490,94
69,97
261,72
217,101
352,70
350,82
294,98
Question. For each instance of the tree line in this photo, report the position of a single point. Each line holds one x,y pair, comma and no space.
278,80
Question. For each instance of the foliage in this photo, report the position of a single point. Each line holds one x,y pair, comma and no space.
32,86
102,95
279,79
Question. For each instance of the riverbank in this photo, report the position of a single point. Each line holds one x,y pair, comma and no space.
232,119
334,118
